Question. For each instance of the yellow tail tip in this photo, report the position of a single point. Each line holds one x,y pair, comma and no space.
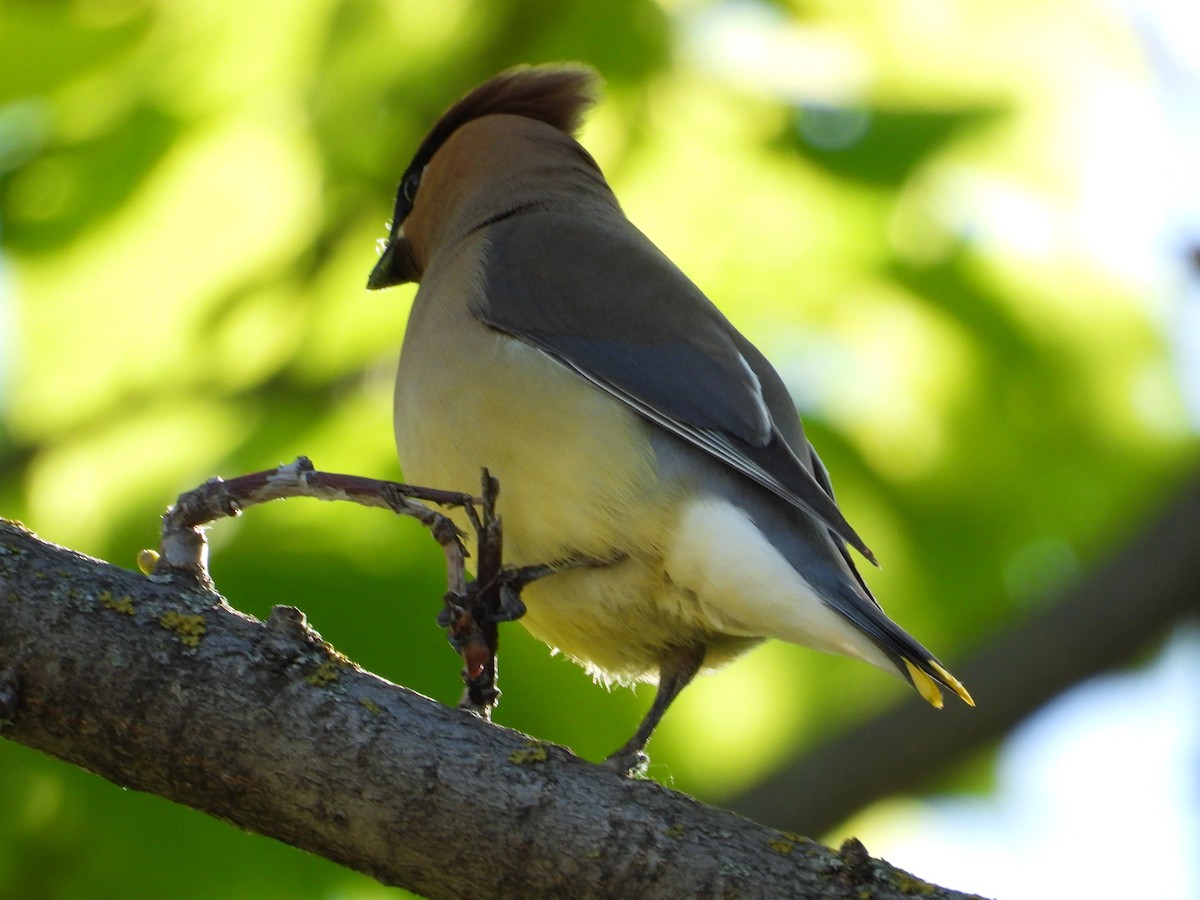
925,685
953,683
928,688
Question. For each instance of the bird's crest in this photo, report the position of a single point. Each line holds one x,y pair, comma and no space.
557,94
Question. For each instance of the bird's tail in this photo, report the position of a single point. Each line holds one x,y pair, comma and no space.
912,661
927,674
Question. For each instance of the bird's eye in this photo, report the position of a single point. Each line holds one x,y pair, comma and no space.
409,187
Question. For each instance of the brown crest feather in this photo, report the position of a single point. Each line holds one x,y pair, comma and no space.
557,94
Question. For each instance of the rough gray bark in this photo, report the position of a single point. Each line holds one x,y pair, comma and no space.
1098,623
166,689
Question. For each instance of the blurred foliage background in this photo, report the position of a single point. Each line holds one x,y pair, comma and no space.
895,201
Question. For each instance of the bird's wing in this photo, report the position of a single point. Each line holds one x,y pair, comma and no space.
558,281
822,476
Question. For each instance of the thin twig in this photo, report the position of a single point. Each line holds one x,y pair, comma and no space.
471,609
485,609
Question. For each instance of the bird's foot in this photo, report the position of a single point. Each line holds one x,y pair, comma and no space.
514,579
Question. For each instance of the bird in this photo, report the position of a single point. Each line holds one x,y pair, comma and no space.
647,451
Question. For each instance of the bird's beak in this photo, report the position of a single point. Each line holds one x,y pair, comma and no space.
396,266
382,276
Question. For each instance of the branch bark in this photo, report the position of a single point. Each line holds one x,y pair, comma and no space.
1098,623
156,684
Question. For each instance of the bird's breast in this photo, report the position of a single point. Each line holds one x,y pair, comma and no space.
578,478
576,470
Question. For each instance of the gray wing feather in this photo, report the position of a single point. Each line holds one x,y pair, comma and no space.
638,328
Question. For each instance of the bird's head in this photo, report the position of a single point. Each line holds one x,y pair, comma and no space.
505,146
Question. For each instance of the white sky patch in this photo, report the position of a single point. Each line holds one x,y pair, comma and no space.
1128,174
758,45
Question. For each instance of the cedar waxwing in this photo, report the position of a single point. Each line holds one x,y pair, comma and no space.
638,438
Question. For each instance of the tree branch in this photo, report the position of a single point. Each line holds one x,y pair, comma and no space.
185,549
162,687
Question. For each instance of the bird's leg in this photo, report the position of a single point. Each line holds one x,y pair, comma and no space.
676,669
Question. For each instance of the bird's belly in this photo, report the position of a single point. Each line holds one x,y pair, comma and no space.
616,621
578,479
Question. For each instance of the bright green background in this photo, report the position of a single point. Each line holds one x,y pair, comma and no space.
190,195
